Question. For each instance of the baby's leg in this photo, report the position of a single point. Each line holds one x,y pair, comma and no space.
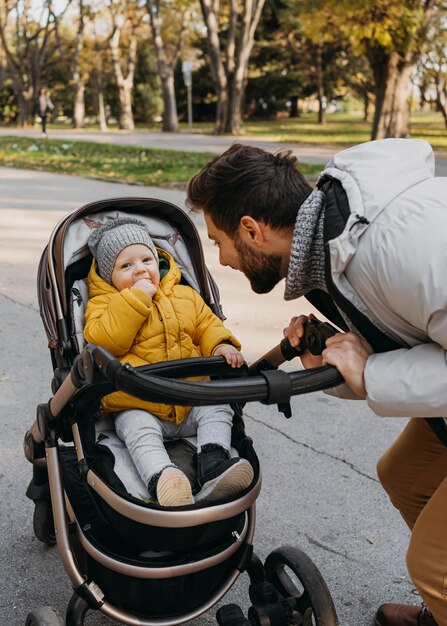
142,432
212,424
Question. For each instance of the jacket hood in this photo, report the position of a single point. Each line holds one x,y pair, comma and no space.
376,172
168,279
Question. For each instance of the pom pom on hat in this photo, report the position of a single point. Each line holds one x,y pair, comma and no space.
107,241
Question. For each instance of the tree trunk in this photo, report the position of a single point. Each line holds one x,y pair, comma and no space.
165,69
78,105
26,103
440,98
366,104
320,86
126,121
221,112
393,87
294,108
244,44
232,124
236,98
125,84
101,110
218,73
170,118
78,85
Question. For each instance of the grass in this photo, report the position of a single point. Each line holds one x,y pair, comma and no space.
342,129
129,164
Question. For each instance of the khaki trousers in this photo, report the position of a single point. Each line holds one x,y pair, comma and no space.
413,471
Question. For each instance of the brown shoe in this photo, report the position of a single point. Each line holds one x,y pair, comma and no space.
173,488
403,615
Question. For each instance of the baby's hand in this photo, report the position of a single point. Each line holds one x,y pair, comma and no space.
146,285
232,355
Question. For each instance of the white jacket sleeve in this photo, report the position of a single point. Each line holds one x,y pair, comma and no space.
408,383
412,382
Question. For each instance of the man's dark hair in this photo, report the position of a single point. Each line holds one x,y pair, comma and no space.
249,181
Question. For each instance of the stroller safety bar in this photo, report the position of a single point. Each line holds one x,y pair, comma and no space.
267,387
153,383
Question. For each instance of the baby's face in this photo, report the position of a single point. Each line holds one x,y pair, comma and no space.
135,263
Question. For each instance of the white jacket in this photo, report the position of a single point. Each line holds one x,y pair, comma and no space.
394,269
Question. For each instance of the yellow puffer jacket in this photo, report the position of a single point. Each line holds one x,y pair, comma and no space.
138,329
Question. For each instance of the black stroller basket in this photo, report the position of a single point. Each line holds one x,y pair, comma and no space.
136,562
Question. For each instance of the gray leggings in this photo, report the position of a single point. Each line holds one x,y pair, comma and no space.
143,433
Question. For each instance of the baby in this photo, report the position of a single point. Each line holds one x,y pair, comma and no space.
139,311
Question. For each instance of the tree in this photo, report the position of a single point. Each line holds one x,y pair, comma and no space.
300,53
318,33
168,24
147,101
78,83
28,42
231,36
126,17
97,35
70,49
392,34
433,65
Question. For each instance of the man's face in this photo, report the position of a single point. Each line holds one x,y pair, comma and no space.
262,270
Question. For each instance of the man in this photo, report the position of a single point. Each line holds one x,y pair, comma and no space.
368,248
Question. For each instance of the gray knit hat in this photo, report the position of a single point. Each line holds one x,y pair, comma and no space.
107,241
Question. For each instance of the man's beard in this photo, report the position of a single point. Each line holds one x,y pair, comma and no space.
262,270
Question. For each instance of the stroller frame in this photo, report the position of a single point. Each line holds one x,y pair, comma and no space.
81,380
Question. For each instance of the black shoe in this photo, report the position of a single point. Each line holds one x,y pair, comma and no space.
220,476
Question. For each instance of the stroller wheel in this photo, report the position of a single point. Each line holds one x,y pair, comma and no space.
43,523
45,616
296,577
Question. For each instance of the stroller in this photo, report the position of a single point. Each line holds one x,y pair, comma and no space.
134,561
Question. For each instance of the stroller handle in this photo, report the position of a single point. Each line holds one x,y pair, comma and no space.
159,382
313,339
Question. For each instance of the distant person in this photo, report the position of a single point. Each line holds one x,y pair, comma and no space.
368,248
43,106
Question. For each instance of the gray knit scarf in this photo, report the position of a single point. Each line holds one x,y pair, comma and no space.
306,265
307,255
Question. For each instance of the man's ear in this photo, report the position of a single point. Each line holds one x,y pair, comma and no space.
251,231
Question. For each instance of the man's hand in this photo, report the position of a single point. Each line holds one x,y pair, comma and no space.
146,285
232,355
348,353
294,333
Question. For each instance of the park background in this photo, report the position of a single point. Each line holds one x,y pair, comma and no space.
312,72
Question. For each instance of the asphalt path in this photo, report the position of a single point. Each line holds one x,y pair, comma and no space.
320,490
195,142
